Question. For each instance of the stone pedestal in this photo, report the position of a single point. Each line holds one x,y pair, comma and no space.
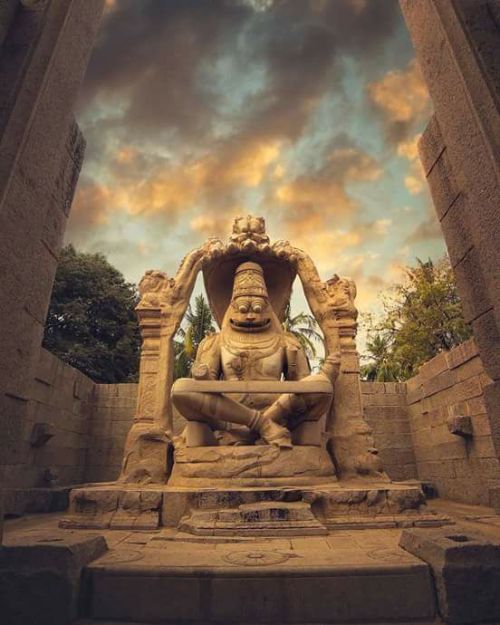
215,509
251,466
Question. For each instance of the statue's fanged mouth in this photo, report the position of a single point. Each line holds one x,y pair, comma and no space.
250,326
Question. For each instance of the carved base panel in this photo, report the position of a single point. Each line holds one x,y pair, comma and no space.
262,518
266,465
114,506
257,511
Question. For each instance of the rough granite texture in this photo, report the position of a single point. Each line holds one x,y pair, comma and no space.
456,44
87,424
45,48
462,468
109,423
386,411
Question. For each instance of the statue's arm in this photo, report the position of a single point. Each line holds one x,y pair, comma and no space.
207,365
297,363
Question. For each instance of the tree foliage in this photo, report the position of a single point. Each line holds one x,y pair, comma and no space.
199,324
305,329
422,317
91,322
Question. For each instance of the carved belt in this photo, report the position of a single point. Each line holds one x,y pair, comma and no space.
322,387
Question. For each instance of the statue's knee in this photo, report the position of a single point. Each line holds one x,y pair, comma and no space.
317,404
183,400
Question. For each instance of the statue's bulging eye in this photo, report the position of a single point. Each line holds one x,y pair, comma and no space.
257,308
243,309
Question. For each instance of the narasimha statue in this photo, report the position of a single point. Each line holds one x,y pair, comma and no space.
252,347
251,384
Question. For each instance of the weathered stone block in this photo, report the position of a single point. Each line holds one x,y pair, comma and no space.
250,464
487,337
461,354
460,425
41,434
472,285
437,383
444,185
40,576
466,570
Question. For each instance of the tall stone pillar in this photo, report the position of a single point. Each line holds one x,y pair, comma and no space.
457,43
45,49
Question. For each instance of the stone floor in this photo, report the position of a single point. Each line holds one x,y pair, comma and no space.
146,574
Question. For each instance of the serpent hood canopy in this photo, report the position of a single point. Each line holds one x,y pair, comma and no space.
219,271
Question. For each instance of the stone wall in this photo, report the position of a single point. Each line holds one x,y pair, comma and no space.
448,392
55,433
386,412
456,43
110,421
74,433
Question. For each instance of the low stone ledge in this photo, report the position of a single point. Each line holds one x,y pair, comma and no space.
19,501
466,570
40,575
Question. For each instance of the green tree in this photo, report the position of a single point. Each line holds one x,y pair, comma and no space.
91,322
382,366
199,324
305,329
421,317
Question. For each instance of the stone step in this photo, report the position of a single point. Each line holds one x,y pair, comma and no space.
257,587
265,518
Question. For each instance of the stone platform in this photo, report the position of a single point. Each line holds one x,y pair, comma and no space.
216,510
326,580
374,576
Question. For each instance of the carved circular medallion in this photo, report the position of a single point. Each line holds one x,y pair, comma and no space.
255,558
388,555
119,556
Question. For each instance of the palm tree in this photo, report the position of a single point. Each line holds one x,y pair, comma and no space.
304,328
383,366
200,324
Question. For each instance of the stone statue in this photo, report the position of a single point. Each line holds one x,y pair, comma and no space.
272,398
252,347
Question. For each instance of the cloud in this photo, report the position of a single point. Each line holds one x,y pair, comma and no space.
188,106
415,180
312,201
401,95
89,208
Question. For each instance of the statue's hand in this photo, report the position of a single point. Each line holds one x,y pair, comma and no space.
200,372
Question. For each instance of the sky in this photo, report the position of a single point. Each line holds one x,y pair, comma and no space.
305,112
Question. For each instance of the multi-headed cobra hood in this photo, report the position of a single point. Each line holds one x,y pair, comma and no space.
248,245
